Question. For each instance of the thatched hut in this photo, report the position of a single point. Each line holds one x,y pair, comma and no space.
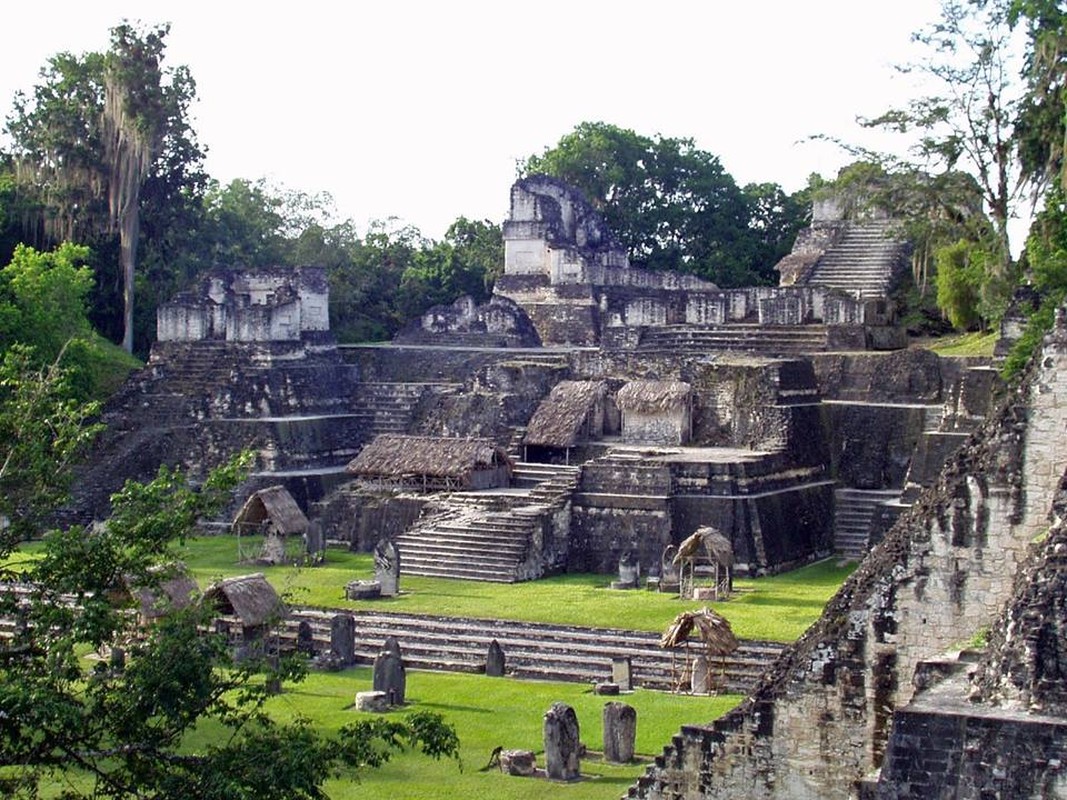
656,412
171,589
273,513
572,412
432,463
716,638
247,606
705,546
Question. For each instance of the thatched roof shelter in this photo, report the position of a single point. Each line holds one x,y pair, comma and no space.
248,597
653,397
707,541
175,590
563,416
273,511
437,462
712,629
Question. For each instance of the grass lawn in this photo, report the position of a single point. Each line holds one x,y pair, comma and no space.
965,344
488,712
778,608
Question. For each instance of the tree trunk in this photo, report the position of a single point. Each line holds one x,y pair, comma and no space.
129,230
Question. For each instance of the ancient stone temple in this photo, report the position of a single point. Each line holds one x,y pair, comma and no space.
901,712
658,404
245,359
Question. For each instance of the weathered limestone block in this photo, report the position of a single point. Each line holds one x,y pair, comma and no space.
620,732
561,743
374,702
522,763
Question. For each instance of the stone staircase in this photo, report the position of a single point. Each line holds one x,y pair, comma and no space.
854,511
477,541
863,263
391,407
538,651
744,337
472,545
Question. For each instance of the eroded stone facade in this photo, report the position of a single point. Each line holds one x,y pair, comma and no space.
819,724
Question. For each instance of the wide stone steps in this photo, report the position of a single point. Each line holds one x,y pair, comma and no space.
487,544
854,511
777,339
390,407
538,651
864,263
489,547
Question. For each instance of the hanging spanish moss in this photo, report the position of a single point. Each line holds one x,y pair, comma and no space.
132,124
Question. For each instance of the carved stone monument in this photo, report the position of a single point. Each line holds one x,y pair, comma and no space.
316,542
701,681
670,573
305,641
495,662
343,639
622,673
620,732
387,567
629,572
561,743
390,676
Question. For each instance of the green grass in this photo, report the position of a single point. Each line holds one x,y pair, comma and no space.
965,344
778,608
488,712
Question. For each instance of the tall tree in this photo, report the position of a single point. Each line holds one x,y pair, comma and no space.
90,137
968,123
672,204
1041,125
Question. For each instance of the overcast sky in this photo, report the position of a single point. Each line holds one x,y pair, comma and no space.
420,110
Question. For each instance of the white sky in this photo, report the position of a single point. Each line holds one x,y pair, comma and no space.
420,110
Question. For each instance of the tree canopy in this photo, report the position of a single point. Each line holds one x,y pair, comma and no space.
673,205
96,130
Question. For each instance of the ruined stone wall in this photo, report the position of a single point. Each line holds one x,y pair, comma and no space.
970,754
820,719
362,517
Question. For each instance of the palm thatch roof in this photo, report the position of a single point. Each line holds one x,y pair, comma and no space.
652,397
397,456
248,597
172,589
712,629
276,507
711,542
558,421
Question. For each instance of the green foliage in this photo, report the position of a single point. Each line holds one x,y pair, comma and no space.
1041,124
673,205
960,272
43,431
102,138
132,730
1046,252
43,304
